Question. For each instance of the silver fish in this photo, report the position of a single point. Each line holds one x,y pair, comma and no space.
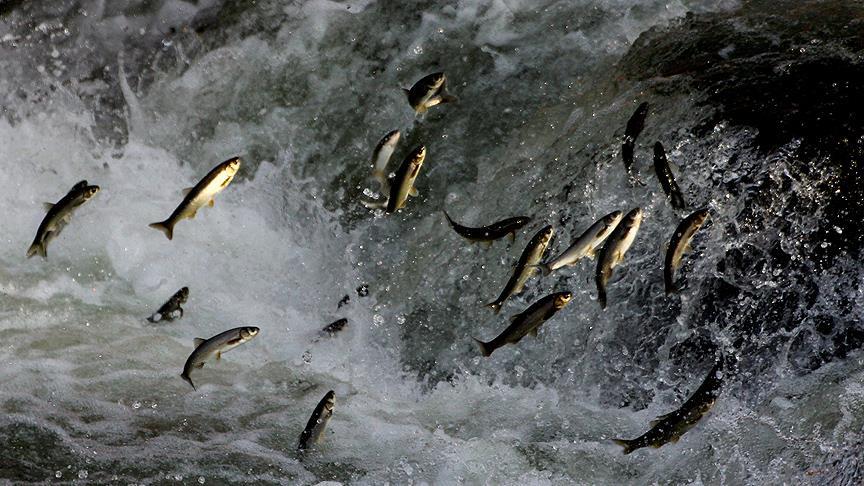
527,322
215,346
526,267
202,194
614,249
166,312
381,156
429,91
403,183
58,217
666,178
314,432
679,244
586,244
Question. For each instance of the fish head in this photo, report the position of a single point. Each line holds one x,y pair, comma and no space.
634,217
330,401
89,192
562,299
546,234
613,218
521,220
183,293
391,138
699,217
232,165
247,333
417,158
434,81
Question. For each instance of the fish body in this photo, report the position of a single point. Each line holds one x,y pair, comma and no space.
314,432
334,327
614,249
587,244
527,322
679,244
488,234
634,127
429,91
215,346
403,183
381,156
666,178
671,426
58,216
526,267
202,194
166,312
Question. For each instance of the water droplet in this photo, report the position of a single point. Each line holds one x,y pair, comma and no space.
136,405
82,474
201,480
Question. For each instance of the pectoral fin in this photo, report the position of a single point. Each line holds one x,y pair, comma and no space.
487,244
218,355
413,192
661,418
211,203
199,365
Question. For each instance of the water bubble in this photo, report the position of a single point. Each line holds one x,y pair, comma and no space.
58,474
418,49
378,319
136,405
82,474
201,479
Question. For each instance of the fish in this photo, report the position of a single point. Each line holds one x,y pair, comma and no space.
526,322
215,346
679,244
526,267
381,156
403,183
58,216
334,327
166,312
429,91
314,432
488,234
635,125
203,193
587,244
666,178
613,250
671,426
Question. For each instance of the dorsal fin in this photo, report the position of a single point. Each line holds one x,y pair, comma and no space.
47,206
187,190
661,418
198,342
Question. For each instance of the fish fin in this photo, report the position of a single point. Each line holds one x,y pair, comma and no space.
601,296
211,203
153,319
421,109
447,98
449,219
591,253
218,355
187,190
47,206
192,214
188,379
674,439
513,317
199,365
164,227
545,268
533,332
484,347
512,236
626,444
659,419
407,92
37,249
197,342
413,192
374,204
487,244
495,306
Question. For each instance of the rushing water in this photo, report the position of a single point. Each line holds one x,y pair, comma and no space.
758,104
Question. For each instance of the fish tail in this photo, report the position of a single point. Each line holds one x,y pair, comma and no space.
669,283
484,347
495,306
188,379
448,98
449,219
601,295
37,248
626,444
545,268
165,227
407,93
678,201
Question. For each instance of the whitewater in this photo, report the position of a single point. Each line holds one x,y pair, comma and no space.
143,98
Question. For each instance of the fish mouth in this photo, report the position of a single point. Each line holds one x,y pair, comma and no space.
562,300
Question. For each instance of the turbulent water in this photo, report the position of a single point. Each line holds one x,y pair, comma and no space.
757,102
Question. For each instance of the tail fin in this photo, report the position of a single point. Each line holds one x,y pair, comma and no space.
546,268
407,93
484,347
37,248
626,444
495,306
668,281
449,219
601,296
188,380
164,227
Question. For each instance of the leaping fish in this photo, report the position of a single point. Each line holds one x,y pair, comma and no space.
166,312
587,244
203,193
313,434
58,217
527,322
381,156
403,183
429,91
526,267
614,249
488,234
215,346
635,125
666,178
679,244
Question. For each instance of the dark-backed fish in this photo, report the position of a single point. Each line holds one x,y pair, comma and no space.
527,322
614,249
488,234
334,327
215,346
586,244
403,184
671,426
58,217
634,127
679,244
313,434
381,156
526,267
168,309
430,91
666,178
202,194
